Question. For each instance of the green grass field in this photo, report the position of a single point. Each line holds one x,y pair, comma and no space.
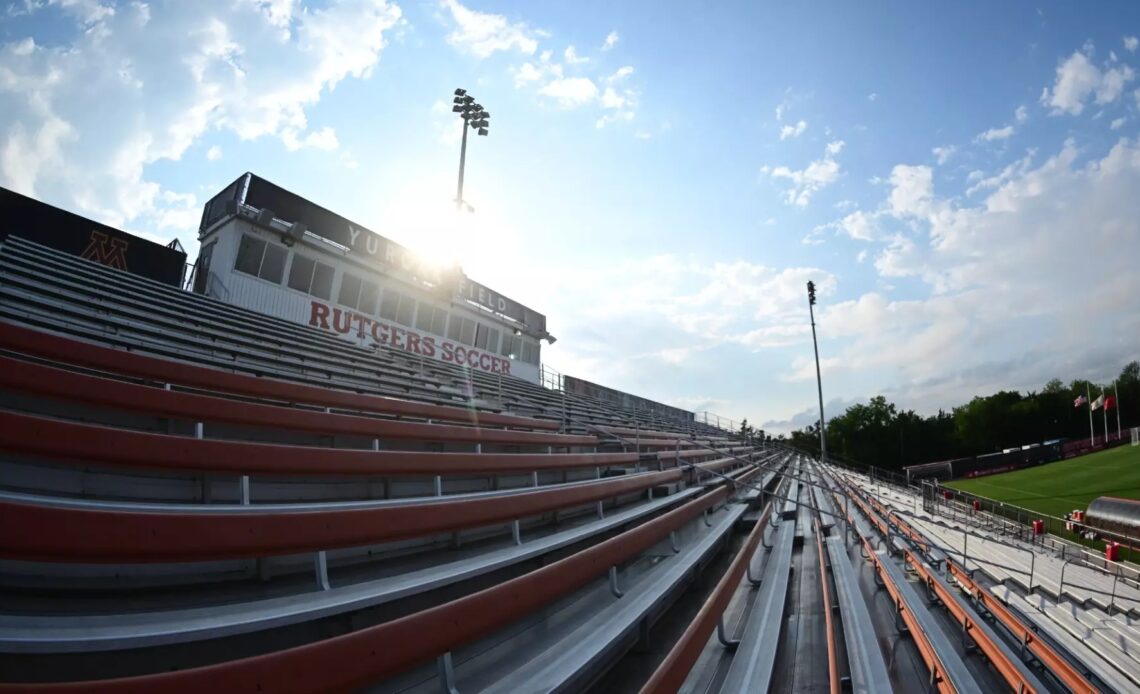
1058,488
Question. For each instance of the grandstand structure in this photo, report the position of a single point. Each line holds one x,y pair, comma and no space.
198,496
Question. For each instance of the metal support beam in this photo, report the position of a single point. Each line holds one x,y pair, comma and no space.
321,564
617,593
446,674
722,636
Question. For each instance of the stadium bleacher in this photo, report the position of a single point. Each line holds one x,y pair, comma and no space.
195,496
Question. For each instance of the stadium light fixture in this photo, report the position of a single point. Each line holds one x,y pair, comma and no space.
476,118
818,379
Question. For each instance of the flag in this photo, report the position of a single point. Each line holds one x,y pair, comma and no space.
1110,403
1080,401
1098,402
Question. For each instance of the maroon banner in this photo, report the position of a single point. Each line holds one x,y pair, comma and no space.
345,322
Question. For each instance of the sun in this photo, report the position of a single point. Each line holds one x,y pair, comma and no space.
423,219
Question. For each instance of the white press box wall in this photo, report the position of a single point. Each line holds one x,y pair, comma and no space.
271,293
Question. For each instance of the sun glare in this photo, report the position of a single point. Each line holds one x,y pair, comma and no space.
427,222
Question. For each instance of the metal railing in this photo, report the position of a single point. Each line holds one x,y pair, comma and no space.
715,420
1018,520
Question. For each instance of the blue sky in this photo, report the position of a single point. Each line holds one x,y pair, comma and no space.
661,178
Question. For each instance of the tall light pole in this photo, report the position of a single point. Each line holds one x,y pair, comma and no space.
818,379
474,117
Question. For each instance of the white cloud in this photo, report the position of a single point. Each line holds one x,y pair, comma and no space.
862,255
572,58
677,312
178,211
615,117
1021,114
620,74
873,96
214,153
612,93
540,71
912,188
88,12
324,139
173,72
611,99
900,258
483,33
816,176
1117,124
571,92
1016,282
995,134
981,182
611,41
1112,84
793,130
942,154
859,225
1131,43
1078,79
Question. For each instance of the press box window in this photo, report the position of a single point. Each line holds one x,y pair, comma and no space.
461,330
530,352
309,276
358,294
432,319
487,338
260,259
397,307
512,346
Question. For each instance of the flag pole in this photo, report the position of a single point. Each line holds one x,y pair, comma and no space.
1105,419
1116,406
1088,396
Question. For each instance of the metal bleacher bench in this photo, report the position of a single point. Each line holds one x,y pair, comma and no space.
69,634
754,661
567,664
868,670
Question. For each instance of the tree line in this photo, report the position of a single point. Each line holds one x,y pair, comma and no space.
881,434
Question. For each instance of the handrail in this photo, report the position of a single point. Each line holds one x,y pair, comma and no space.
992,650
116,532
949,551
1127,540
1026,635
925,649
671,673
74,442
353,660
90,355
73,386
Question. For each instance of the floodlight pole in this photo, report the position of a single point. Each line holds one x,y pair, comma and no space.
462,163
473,116
818,378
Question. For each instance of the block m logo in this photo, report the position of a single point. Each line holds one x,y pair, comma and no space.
106,250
